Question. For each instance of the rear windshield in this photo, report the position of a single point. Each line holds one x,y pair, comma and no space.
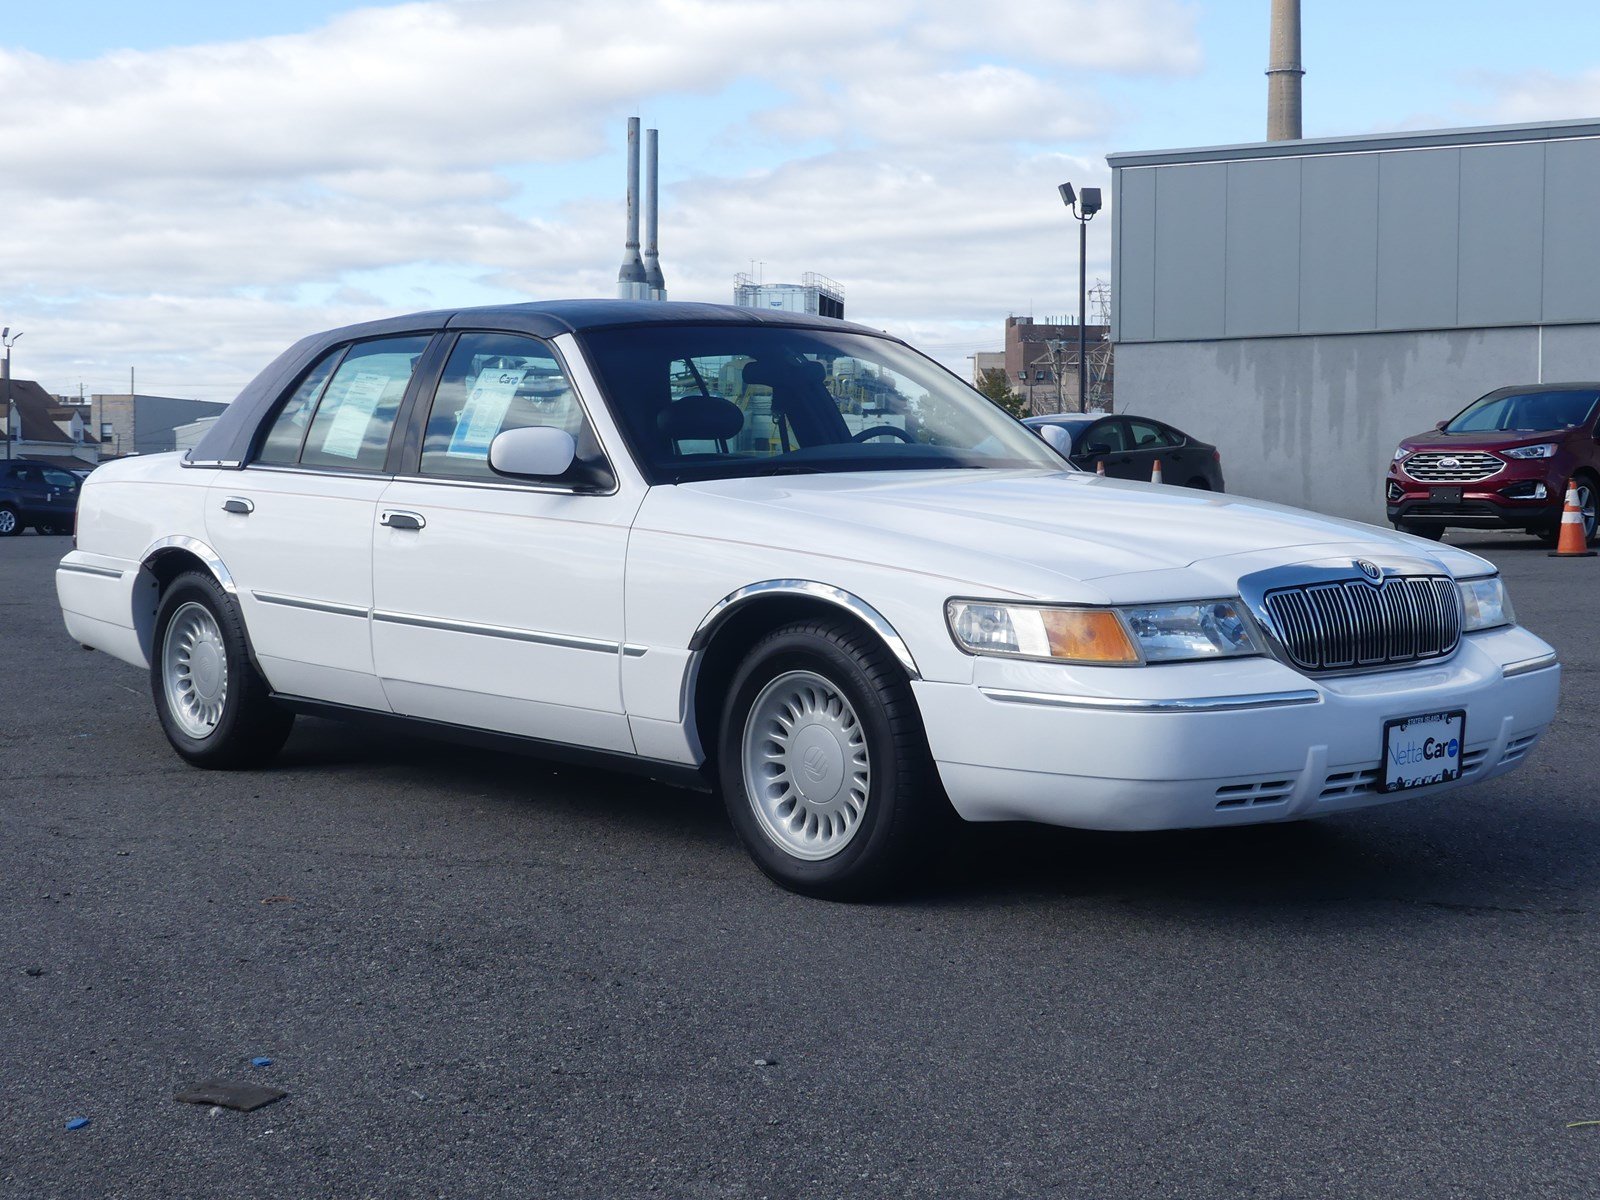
1529,412
722,401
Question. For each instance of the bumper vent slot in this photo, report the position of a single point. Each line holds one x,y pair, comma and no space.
1342,785
1253,795
1516,748
1352,624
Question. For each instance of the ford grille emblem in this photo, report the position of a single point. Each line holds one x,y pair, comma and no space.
1450,462
1371,570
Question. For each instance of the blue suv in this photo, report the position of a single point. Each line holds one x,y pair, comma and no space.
37,494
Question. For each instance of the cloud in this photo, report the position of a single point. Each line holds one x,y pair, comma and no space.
1537,96
195,208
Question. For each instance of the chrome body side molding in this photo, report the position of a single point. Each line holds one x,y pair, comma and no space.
1173,705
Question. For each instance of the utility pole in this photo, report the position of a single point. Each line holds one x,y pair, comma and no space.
8,339
1083,206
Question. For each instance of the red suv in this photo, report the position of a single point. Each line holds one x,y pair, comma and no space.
1501,462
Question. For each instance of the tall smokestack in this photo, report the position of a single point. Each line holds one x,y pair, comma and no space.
630,280
652,202
1283,73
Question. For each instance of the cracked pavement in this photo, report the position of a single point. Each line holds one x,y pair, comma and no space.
483,975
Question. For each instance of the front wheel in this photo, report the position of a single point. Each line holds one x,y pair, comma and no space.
214,707
10,523
823,762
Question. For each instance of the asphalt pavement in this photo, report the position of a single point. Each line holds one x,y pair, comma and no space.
483,975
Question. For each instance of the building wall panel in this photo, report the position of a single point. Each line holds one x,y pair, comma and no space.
1338,243
1501,240
1263,235
1572,231
1191,237
1134,274
1419,203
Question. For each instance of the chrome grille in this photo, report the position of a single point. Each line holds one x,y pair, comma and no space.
1469,466
1352,623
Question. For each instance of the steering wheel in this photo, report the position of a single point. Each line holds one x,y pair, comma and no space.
880,430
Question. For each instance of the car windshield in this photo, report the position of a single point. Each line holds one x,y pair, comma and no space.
1525,411
730,400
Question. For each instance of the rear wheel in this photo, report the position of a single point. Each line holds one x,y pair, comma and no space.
824,766
214,707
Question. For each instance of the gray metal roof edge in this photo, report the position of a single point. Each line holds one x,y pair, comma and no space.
1420,139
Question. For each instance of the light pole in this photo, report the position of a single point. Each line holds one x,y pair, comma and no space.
8,339
1083,205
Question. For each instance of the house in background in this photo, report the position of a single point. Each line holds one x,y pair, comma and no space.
37,425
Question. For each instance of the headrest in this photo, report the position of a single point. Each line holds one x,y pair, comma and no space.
758,371
701,419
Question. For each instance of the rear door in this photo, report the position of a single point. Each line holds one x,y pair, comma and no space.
295,525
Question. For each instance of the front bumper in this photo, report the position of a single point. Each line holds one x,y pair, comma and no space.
1503,501
1037,742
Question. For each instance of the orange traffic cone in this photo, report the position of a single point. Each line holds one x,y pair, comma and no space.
1155,472
1572,543
1100,467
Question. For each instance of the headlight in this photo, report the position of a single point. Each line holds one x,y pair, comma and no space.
1543,450
1485,603
1400,452
1105,636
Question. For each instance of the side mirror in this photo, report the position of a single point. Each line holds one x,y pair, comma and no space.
1440,424
1057,438
538,452
1097,448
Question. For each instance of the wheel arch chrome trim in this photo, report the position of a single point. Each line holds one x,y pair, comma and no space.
208,556
735,601
1180,704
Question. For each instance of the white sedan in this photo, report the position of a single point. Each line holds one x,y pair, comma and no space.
791,558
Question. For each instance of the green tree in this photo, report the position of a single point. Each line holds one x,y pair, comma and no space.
994,384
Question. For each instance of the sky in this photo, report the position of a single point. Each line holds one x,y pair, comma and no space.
186,188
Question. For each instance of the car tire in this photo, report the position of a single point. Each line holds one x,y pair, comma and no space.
1434,533
214,706
10,522
823,762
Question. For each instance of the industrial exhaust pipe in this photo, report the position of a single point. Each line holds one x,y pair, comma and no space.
1284,73
631,283
654,280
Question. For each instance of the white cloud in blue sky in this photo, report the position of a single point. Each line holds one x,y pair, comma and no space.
188,187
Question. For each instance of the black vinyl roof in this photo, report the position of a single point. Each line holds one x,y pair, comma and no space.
227,442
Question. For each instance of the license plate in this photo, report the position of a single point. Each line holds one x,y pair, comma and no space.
1421,750
1445,495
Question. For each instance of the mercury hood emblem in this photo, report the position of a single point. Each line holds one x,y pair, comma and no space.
1371,570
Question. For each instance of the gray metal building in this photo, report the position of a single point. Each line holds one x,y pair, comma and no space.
1306,304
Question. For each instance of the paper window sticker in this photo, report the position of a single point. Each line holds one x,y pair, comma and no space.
485,411
348,428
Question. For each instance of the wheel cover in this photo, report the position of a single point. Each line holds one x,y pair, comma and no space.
194,670
1586,509
8,520
807,772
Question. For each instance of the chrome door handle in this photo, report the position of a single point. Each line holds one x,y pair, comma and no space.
238,504
397,519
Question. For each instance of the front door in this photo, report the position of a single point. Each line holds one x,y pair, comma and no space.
294,528
498,603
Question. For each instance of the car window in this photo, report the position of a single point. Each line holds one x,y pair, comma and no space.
356,415
282,443
1531,412
725,400
1147,435
494,382
27,474
1104,433
60,479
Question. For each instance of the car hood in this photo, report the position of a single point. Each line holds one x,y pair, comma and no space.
1033,532
1438,440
